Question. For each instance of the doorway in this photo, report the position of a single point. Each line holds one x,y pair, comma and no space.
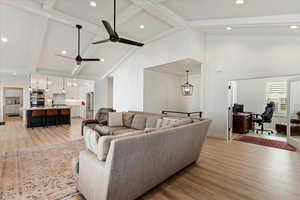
12,103
249,102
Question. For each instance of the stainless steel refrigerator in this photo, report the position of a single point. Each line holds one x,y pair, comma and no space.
90,105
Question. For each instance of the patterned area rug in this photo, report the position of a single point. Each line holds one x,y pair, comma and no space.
266,142
40,173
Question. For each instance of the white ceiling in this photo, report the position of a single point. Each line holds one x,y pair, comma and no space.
216,9
179,67
39,29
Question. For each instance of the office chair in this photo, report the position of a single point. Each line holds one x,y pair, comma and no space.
265,117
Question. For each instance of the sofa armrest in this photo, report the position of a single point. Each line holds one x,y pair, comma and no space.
85,122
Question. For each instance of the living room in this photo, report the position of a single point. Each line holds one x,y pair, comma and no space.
64,49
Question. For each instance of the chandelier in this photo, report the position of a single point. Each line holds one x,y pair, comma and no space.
187,88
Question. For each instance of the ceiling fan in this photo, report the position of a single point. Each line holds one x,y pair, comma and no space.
78,58
113,35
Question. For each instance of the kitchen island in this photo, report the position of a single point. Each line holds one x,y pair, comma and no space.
48,116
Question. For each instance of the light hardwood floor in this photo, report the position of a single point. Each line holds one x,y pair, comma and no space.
225,171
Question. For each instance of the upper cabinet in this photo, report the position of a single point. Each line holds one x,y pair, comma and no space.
75,89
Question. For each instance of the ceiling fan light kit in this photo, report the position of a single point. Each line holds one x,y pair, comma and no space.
113,35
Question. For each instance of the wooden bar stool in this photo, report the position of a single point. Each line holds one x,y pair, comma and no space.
52,117
64,117
38,118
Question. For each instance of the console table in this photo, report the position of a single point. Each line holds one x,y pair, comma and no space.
189,114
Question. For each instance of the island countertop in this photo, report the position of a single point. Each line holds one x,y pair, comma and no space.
49,108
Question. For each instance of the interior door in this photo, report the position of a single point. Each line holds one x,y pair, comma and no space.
293,134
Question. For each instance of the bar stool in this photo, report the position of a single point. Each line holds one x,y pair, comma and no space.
38,118
64,117
52,115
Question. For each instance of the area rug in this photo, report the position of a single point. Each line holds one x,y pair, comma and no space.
39,173
266,142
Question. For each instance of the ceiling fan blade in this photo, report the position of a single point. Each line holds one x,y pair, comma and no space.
90,59
101,41
67,57
126,41
108,28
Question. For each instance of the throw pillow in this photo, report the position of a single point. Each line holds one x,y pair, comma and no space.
127,119
139,122
105,142
151,121
158,123
115,119
182,122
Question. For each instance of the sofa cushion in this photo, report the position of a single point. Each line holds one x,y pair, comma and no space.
127,119
181,122
103,130
122,131
105,141
149,130
139,122
151,121
115,119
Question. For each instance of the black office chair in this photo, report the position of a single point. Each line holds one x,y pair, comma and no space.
266,117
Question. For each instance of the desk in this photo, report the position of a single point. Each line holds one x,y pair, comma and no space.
242,123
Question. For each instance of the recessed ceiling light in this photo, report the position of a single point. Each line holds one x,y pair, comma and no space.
228,28
93,4
239,2
142,26
64,52
4,39
102,60
294,27
15,74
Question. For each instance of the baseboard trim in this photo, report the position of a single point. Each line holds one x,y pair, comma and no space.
2,123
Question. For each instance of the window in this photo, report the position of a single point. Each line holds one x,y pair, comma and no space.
277,92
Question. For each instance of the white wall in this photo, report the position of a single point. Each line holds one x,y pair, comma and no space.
101,91
243,56
129,77
161,92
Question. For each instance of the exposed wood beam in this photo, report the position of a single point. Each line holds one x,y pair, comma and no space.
162,12
271,20
41,36
49,4
36,9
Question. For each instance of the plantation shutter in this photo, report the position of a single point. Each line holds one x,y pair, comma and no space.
277,92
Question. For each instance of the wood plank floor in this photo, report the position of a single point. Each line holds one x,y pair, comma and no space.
225,171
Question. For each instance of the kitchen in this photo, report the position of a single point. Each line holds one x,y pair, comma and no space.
76,94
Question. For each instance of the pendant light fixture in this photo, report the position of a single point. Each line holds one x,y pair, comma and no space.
187,88
63,89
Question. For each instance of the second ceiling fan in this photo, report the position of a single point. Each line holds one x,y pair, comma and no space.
113,35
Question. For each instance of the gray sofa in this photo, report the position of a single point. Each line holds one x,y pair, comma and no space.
139,159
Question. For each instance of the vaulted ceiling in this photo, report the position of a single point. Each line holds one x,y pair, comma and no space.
37,30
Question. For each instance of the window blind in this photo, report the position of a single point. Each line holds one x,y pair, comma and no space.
277,92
